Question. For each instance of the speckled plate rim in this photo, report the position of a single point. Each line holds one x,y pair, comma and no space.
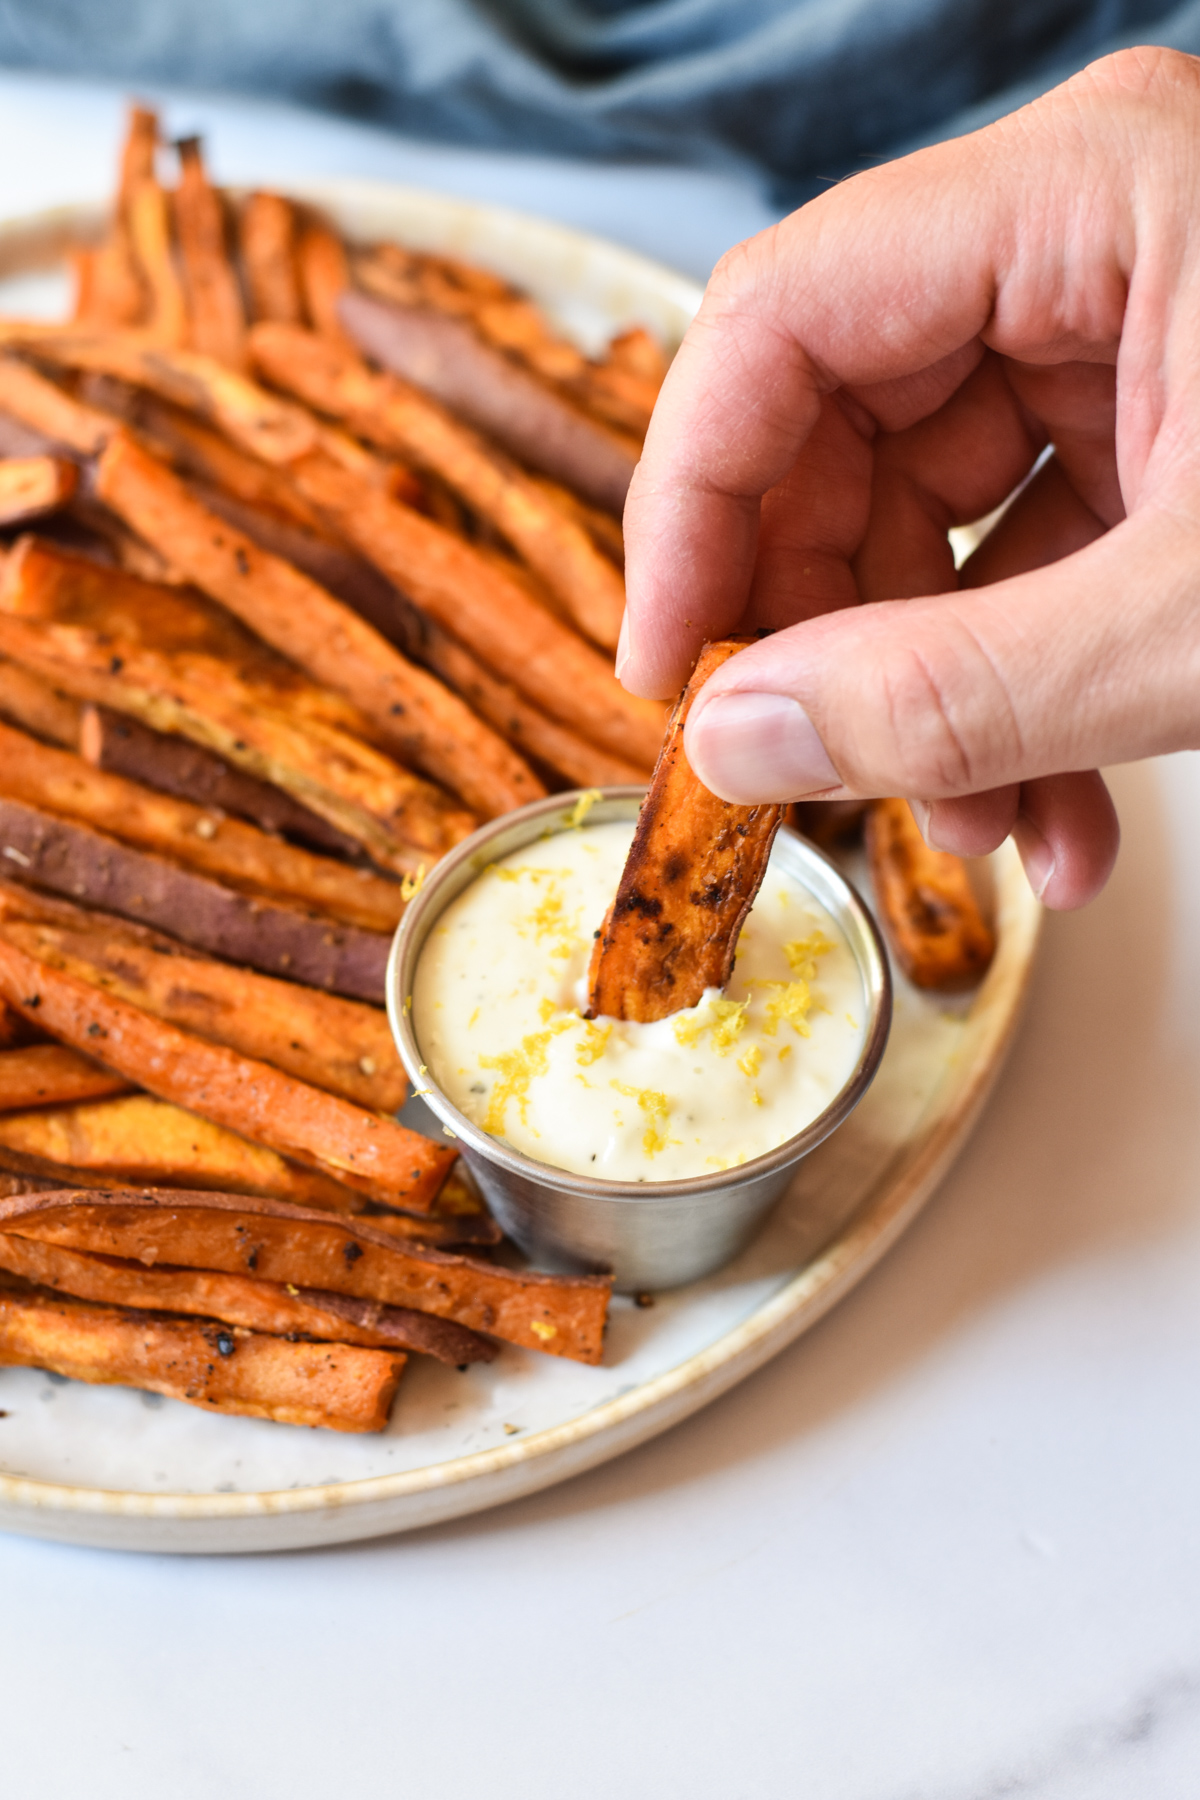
550,260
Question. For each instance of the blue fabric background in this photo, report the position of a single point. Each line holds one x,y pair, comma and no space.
804,90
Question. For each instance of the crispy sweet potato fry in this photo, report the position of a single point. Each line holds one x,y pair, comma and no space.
220,1368
27,700
150,231
112,292
693,870
122,746
544,740
488,612
197,448
425,722
267,234
563,1315
33,485
214,301
332,1043
378,1157
113,1141
283,1311
480,384
72,859
186,667
926,905
390,413
52,1075
603,528
324,277
44,408
59,782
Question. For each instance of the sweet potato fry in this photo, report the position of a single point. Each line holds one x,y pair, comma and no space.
602,527
186,667
122,746
112,293
13,1028
28,701
113,1141
427,724
214,301
44,408
73,859
150,231
52,1075
544,740
268,1306
220,1368
828,822
59,782
197,448
488,612
365,1151
563,1315
936,930
480,384
267,237
324,277
693,870
390,413
332,1043
33,485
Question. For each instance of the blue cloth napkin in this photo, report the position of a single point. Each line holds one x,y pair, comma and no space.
805,91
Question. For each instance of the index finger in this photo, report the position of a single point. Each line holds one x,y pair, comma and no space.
885,287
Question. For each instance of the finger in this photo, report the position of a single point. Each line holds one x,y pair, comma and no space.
1047,521
1068,835
880,280
1072,666
951,468
973,826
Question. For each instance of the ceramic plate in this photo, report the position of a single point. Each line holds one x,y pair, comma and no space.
113,1467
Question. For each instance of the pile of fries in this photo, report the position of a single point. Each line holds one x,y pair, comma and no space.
277,629
310,561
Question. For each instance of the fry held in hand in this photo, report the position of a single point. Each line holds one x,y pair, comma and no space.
694,868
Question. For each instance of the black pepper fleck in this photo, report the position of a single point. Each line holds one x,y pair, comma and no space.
352,1252
225,1344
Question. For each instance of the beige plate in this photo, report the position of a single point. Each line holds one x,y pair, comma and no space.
112,1467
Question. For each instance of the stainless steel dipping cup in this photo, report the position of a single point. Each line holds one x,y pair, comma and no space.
648,1234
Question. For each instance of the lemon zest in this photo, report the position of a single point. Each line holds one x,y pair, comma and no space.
592,1045
657,1108
803,954
583,807
790,1003
411,885
516,1069
725,1019
750,1064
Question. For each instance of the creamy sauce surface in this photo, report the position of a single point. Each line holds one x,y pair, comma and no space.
500,991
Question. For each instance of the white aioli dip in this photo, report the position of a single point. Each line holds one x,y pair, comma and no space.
501,987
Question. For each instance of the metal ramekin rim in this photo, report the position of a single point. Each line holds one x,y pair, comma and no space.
427,906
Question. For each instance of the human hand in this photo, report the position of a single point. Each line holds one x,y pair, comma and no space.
890,361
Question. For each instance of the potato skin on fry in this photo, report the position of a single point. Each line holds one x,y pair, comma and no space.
218,1367
926,905
693,870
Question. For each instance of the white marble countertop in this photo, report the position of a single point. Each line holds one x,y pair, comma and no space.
944,1548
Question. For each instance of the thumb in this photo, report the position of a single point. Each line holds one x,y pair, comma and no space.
1094,659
